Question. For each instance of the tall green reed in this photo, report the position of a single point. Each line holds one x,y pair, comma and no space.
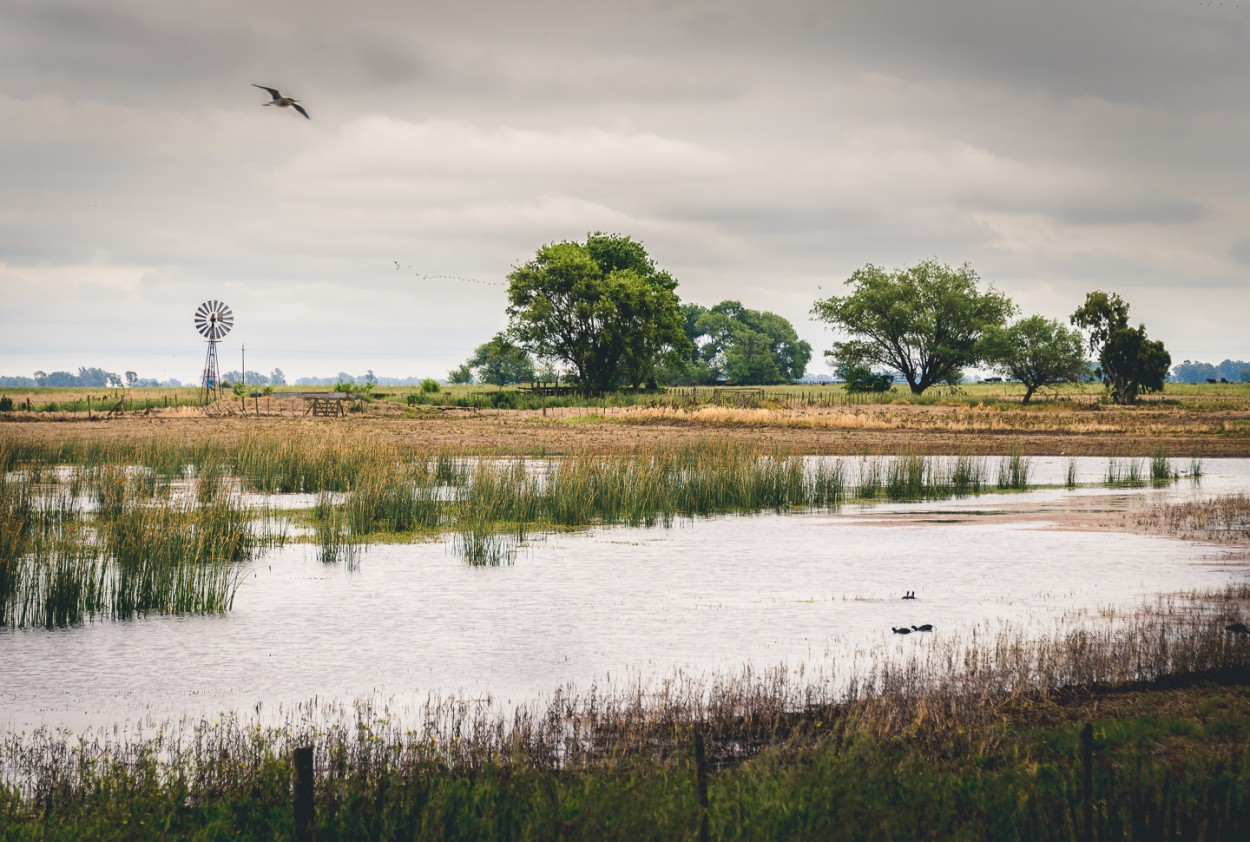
1013,472
1124,472
139,549
1161,468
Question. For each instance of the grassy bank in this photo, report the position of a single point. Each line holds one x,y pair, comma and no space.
942,738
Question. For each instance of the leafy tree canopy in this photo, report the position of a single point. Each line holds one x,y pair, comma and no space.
600,306
742,345
1036,351
861,378
924,321
1130,362
461,375
500,362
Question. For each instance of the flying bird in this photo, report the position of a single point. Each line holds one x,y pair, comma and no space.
282,101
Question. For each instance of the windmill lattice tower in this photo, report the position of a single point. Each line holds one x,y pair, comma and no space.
213,320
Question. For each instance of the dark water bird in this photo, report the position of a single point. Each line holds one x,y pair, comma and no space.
909,595
925,627
282,101
903,630
1238,628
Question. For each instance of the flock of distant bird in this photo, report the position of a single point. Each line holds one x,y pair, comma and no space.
425,277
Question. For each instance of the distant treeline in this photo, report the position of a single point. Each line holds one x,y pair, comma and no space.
255,378
357,379
93,377
1234,371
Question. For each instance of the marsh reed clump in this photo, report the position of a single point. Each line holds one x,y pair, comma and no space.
334,534
967,476
1224,519
481,544
390,500
1013,472
1125,472
869,485
1161,468
641,488
1070,474
139,549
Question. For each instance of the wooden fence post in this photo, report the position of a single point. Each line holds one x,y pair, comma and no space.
700,784
304,815
1087,782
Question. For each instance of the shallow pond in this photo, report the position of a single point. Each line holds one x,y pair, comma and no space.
606,603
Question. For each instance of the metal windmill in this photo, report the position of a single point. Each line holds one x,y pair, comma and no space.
213,320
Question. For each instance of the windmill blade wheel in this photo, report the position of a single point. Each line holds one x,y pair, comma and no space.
213,319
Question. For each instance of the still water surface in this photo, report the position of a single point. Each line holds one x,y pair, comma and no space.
608,603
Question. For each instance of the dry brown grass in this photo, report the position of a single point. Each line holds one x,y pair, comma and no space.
876,429
1224,520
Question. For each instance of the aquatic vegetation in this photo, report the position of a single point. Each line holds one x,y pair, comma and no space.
383,490
1124,473
1013,472
1161,468
139,552
1224,519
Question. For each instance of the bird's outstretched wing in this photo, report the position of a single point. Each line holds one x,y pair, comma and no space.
273,92
301,110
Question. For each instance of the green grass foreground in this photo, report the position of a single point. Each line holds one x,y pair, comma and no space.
964,739
1176,768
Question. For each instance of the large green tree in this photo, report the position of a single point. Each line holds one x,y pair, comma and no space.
600,306
1130,362
924,321
1036,351
742,345
500,362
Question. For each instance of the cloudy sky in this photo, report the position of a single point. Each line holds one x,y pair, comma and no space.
761,150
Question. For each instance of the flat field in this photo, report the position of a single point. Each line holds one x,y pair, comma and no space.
1194,422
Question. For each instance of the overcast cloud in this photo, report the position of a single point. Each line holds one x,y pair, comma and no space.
761,150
